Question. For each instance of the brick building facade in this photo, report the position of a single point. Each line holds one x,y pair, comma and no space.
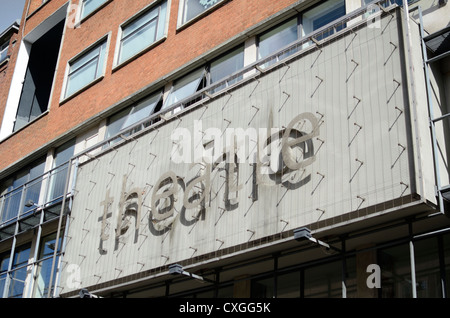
95,91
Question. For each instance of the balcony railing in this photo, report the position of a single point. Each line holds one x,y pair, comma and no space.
43,191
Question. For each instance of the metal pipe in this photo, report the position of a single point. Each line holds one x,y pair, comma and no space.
58,233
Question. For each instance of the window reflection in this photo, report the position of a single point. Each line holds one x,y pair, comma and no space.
44,266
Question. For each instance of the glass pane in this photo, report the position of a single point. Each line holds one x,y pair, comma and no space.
116,122
162,21
86,69
138,41
37,169
3,54
82,77
324,281
11,206
32,192
57,179
139,22
44,269
277,38
142,110
42,280
12,203
322,15
184,87
4,263
263,288
143,31
21,256
193,8
90,5
101,60
17,283
63,153
395,272
84,59
2,284
427,268
227,65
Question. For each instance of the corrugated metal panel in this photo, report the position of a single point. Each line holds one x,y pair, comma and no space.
352,87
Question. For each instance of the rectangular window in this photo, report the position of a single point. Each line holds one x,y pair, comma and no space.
60,169
38,81
4,264
44,266
89,6
288,32
25,186
133,115
219,70
225,66
186,86
277,38
86,69
4,51
321,15
142,32
189,9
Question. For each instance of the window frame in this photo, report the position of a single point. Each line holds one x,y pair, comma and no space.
149,8
97,44
181,22
300,31
82,18
129,111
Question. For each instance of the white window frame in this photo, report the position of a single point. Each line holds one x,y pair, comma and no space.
81,18
106,38
182,12
147,9
4,51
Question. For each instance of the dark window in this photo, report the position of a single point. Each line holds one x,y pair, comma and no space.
39,76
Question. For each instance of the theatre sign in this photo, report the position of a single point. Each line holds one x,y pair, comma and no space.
310,141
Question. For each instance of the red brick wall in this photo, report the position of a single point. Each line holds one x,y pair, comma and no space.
179,48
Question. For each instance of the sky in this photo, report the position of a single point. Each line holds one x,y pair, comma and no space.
10,11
